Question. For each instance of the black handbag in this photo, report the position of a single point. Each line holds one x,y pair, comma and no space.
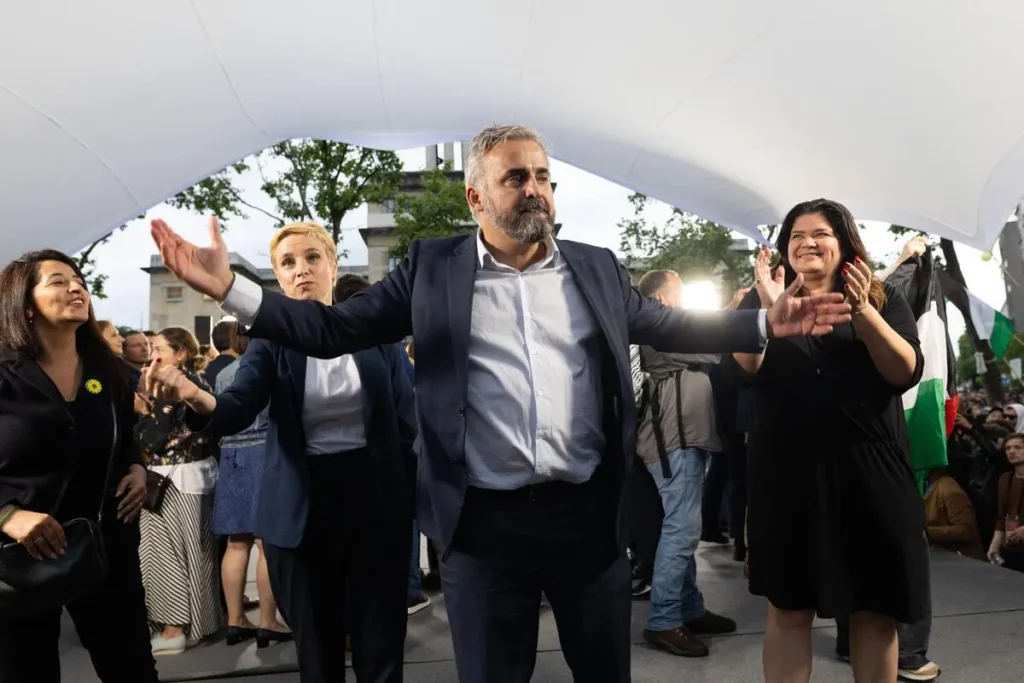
30,586
156,487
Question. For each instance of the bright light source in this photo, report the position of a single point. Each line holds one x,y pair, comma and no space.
702,295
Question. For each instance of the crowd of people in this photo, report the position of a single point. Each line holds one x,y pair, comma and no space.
564,430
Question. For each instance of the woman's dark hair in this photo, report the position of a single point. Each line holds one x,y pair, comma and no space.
182,341
17,280
844,226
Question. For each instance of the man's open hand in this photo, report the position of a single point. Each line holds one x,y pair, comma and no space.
203,269
793,316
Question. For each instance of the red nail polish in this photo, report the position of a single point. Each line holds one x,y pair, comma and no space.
857,259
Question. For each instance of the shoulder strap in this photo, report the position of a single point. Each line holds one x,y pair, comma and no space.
679,410
113,456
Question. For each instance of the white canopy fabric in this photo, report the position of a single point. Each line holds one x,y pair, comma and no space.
909,111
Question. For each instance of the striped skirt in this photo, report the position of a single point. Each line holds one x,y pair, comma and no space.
178,554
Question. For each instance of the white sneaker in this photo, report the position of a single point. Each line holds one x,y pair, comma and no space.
928,672
167,646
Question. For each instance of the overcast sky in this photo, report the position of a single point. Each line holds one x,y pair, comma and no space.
588,207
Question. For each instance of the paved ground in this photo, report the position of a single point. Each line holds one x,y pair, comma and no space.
978,636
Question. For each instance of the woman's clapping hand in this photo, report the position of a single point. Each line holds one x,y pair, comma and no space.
769,287
168,383
858,284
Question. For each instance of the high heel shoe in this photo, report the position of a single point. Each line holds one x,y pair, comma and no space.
266,636
237,634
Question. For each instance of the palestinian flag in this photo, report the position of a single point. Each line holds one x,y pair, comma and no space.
989,323
930,407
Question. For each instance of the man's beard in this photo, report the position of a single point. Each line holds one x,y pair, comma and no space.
530,222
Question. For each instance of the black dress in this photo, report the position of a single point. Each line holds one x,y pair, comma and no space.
836,524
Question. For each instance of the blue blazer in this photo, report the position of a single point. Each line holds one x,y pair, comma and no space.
268,372
430,296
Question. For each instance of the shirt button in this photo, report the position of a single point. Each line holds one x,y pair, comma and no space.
540,392
462,412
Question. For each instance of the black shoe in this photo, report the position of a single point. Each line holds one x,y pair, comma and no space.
714,537
739,553
642,590
431,581
678,641
265,637
237,634
711,624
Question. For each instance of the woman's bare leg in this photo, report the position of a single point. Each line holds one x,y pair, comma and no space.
787,646
874,648
233,571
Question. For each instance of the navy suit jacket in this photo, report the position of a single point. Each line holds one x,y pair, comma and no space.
268,372
430,295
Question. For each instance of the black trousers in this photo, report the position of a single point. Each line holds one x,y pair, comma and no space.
341,549
714,490
736,455
511,546
111,623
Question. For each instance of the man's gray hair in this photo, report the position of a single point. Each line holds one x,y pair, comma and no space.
491,137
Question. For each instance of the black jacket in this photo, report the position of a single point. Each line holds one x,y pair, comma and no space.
37,435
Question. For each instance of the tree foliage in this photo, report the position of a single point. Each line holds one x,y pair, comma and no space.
441,210
95,281
316,180
691,246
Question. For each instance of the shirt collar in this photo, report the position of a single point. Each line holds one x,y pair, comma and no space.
486,260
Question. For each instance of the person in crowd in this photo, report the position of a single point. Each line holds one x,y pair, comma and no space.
836,530
63,454
676,436
1007,547
135,350
112,336
335,505
221,336
235,502
178,551
1013,414
949,516
522,388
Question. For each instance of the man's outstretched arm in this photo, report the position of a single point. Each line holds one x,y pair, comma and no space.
379,315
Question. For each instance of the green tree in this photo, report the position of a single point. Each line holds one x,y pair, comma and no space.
316,180
440,211
95,281
691,246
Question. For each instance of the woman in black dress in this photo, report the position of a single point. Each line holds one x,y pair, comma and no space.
835,523
58,381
